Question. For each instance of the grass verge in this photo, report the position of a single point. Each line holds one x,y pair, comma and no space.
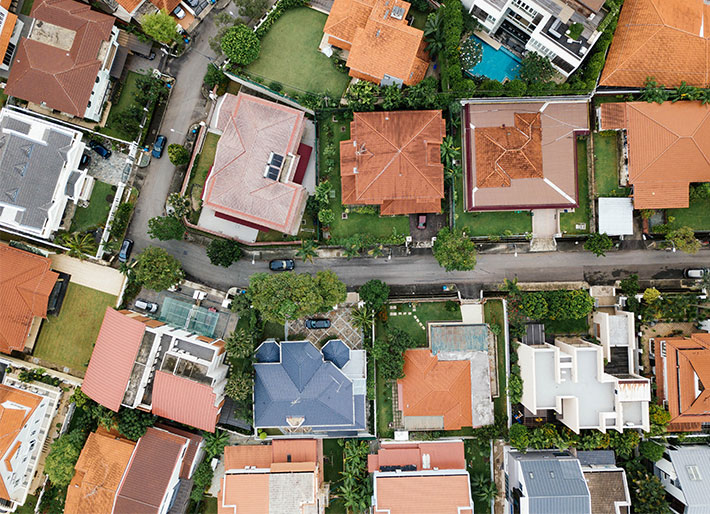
570,220
200,170
385,414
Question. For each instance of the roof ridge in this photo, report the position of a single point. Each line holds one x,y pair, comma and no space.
629,56
661,154
406,156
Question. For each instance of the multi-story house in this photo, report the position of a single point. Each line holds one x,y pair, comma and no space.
685,473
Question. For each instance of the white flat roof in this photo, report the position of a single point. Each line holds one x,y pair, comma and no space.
616,216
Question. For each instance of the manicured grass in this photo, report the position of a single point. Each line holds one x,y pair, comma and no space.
428,311
489,223
493,314
606,164
569,220
356,224
385,413
333,451
274,330
127,97
68,339
697,216
478,464
26,8
289,55
566,326
210,505
201,169
31,501
96,214
336,506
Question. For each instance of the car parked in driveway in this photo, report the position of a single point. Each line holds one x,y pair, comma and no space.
421,221
100,149
179,13
282,265
125,251
84,161
147,306
317,323
696,273
159,146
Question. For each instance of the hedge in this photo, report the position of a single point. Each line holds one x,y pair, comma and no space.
282,7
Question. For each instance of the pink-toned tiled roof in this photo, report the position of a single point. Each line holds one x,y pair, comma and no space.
248,493
191,453
25,285
62,79
670,136
112,359
442,494
240,457
185,401
442,455
252,128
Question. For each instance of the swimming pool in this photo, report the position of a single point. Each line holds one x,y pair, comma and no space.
496,64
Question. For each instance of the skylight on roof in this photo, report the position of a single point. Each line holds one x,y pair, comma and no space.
693,472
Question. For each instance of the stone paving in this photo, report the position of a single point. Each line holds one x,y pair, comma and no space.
403,309
341,328
107,170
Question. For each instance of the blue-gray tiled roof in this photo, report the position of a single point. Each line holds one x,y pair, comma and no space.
336,352
268,351
555,486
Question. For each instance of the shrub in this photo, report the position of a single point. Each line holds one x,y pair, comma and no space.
454,251
240,45
201,478
375,294
178,154
651,451
223,252
519,436
214,76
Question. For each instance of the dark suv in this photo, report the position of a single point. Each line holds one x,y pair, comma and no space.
317,323
282,265
100,149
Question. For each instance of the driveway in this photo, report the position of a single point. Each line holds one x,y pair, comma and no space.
84,273
109,170
341,328
434,223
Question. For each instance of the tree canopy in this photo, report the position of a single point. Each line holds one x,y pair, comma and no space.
536,68
240,45
133,423
223,252
157,269
160,26
454,251
684,240
62,457
598,244
389,353
178,154
375,294
165,228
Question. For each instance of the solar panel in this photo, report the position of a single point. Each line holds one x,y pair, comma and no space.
273,172
276,160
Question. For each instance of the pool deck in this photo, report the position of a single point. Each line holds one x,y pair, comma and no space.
488,39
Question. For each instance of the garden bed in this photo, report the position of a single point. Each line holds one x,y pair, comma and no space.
493,314
570,220
96,214
199,172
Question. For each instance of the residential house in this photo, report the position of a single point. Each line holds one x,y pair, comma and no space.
380,44
26,417
142,363
684,471
393,160
521,154
570,379
117,475
65,61
447,386
544,27
682,368
663,39
656,138
26,286
284,477
10,31
255,182
542,482
39,174
300,389
411,477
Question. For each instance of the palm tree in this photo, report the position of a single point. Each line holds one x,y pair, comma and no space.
215,442
434,33
79,246
652,92
362,318
111,245
453,173
308,250
486,492
449,151
350,251
683,92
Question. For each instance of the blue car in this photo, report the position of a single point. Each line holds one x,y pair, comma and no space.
100,149
159,146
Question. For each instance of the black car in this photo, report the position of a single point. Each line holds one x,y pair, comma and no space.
282,265
317,323
159,146
84,161
100,149
125,252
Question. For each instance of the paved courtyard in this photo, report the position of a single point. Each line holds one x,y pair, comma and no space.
341,328
111,170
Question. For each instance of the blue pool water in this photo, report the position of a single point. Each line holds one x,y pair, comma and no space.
496,64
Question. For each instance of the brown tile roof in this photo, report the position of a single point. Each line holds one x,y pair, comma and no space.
240,457
112,360
146,482
251,129
521,155
608,490
431,387
8,26
185,401
99,471
660,138
379,44
129,5
166,5
393,159
279,451
63,80
685,370
665,39
191,453
442,455
25,285
443,494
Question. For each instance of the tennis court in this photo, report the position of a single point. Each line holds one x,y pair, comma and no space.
189,316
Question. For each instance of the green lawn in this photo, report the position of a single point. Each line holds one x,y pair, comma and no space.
428,311
566,326
27,7
493,314
569,220
336,506
489,223
200,169
419,18
210,505
126,98
96,214
333,452
68,339
384,407
697,216
31,501
606,164
356,224
289,55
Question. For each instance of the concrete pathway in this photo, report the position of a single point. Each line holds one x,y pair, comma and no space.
84,273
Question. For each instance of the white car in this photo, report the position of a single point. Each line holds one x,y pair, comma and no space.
179,13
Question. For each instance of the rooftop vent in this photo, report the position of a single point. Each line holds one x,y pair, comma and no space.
398,12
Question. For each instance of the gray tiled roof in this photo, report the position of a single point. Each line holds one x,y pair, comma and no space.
336,352
303,384
554,485
29,171
596,457
695,459
268,351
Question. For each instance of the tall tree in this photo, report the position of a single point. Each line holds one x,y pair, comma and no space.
223,252
178,154
239,344
454,251
165,228
240,45
63,454
239,385
156,269
375,294
536,68
684,240
160,26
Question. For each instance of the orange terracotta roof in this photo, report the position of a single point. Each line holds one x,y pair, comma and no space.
166,5
393,159
240,457
63,80
279,451
8,26
112,360
431,387
129,5
246,492
25,285
443,494
295,450
441,454
664,39
670,136
99,471
185,401
379,44
685,370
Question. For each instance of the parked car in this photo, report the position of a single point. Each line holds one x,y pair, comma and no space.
159,146
125,251
421,222
84,161
179,13
100,149
316,323
696,273
147,306
282,265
